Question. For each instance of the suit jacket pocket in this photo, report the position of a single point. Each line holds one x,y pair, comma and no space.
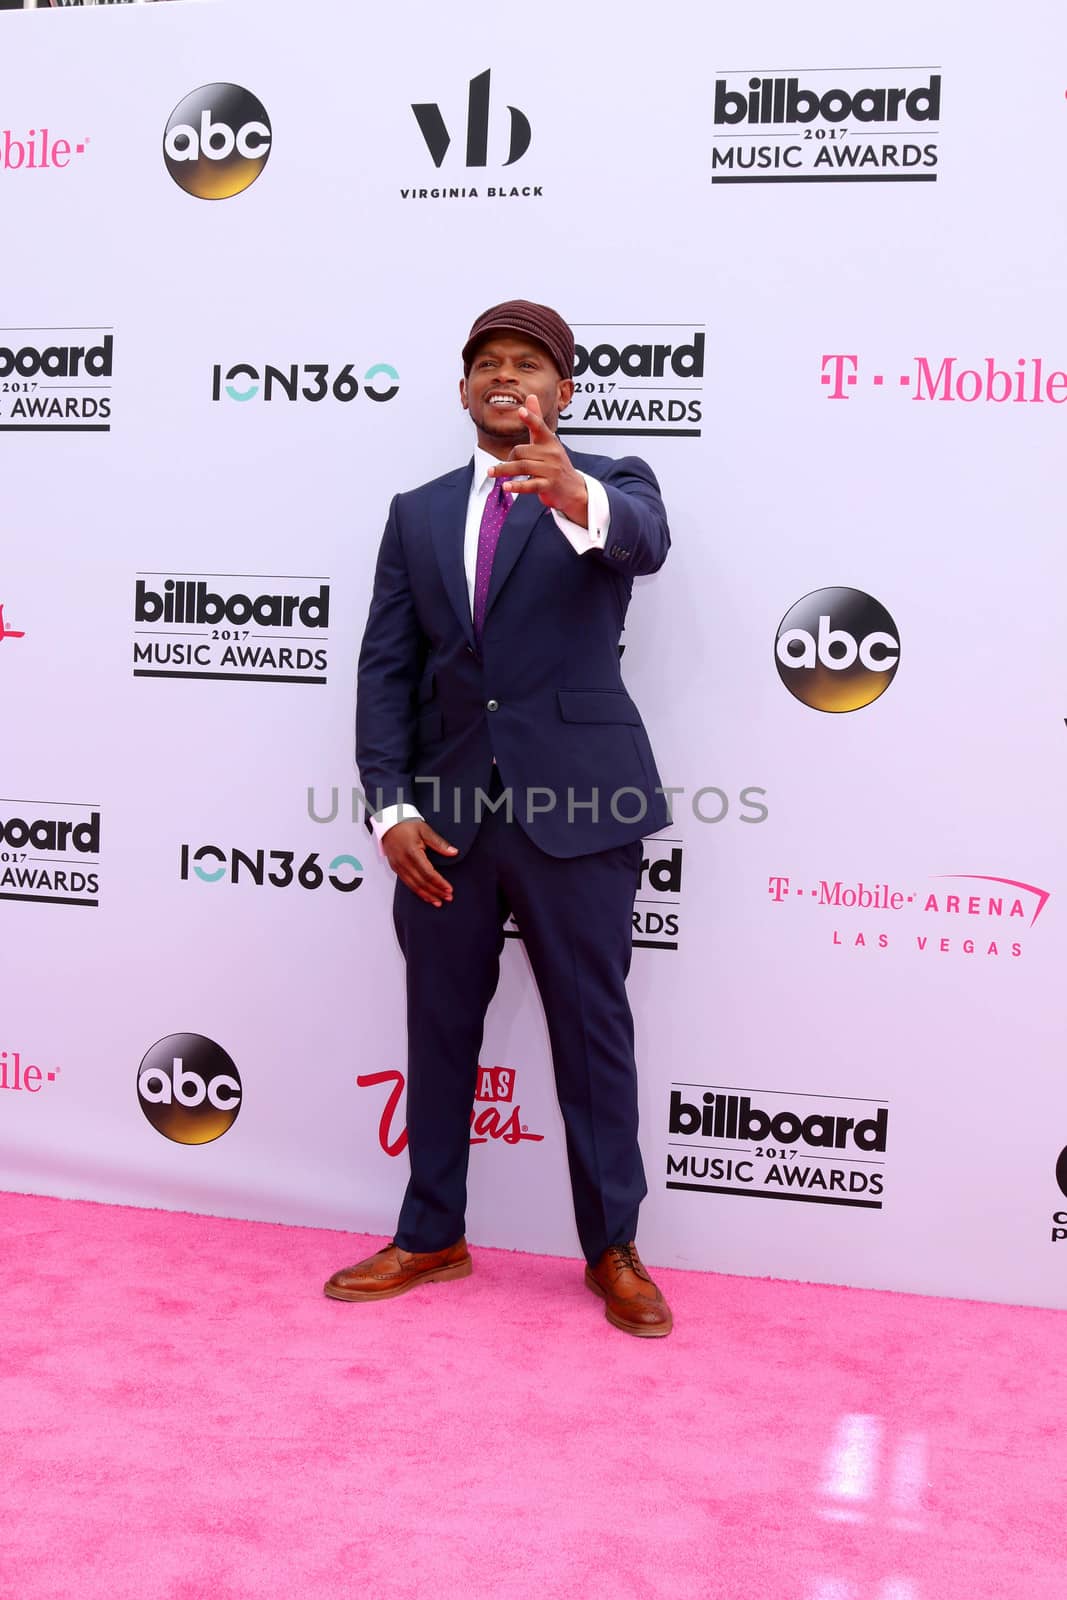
597,705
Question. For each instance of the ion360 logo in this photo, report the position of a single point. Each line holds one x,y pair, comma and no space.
189,1089
217,141
837,649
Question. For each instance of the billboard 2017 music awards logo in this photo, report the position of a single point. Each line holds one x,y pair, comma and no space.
56,380
825,1149
217,141
438,138
244,627
644,380
657,907
833,125
984,920
278,868
837,649
49,852
496,1115
189,1089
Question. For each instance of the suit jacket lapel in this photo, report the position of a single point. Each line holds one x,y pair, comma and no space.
447,526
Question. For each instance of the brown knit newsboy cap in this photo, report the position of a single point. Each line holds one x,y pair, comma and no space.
525,317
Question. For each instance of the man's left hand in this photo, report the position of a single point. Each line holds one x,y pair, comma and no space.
545,467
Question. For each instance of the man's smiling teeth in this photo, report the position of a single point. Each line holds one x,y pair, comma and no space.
503,400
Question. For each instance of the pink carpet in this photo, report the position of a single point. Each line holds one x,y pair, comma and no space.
186,1417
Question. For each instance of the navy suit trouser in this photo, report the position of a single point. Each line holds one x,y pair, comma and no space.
575,918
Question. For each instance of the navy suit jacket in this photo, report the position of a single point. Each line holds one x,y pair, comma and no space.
544,695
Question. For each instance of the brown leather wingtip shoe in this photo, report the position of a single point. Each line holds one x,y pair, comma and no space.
394,1271
633,1303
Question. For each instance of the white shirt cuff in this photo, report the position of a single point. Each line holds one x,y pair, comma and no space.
595,537
389,816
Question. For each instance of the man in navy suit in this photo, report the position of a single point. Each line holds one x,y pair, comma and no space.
510,772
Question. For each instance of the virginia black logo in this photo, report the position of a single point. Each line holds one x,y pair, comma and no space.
837,649
49,853
438,141
53,383
432,127
249,627
217,141
189,1088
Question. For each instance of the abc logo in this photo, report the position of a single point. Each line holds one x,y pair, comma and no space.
189,1089
1061,1171
217,141
837,649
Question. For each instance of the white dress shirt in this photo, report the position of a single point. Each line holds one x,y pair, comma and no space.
582,540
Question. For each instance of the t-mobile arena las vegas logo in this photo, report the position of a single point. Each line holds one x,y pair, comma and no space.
949,914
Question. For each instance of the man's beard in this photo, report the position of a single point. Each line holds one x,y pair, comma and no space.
490,426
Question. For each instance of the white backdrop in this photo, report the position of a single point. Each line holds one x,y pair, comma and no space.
821,968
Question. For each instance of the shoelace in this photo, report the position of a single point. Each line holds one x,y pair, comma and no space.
625,1259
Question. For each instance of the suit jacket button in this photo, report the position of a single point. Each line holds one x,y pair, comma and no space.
492,705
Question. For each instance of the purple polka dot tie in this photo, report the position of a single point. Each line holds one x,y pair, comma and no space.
494,516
